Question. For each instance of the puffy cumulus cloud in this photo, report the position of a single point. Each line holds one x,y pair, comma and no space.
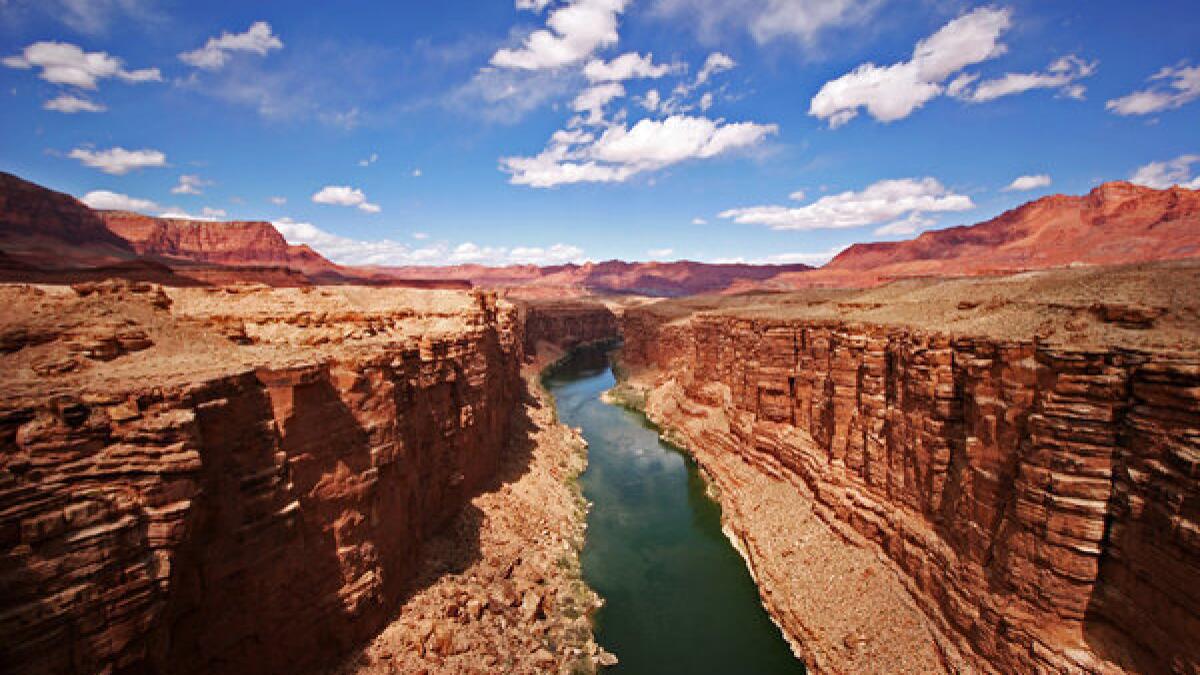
593,99
70,104
1061,75
886,201
1023,183
258,39
1172,87
64,63
350,251
766,20
1162,175
105,200
190,184
119,161
344,195
621,152
625,67
573,33
890,93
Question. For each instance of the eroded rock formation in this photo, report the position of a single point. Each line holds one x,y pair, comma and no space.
250,490
566,324
1036,498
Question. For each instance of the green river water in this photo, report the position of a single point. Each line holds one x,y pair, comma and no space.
678,596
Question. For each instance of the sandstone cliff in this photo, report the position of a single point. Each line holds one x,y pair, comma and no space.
232,480
1035,495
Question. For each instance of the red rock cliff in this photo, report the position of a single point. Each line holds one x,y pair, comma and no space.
237,243
1039,502
219,517
566,324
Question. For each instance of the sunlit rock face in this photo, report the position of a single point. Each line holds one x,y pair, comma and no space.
1036,498
246,485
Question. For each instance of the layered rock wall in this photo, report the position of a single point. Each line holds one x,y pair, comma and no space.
1040,503
566,324
263,521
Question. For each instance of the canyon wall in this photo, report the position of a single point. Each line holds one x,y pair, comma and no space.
1041,503
566,324
260,520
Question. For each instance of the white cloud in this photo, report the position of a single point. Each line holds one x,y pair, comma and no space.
105,200
533,5
1061,75
593,99
715,63
881,202
625,67
893,92
802,257
64,63
699,221
767,20
369,160
420,236
416,173
622,152
258,39
1162,175
206,214
651,100
573,32
190,185
209,212
915,222
278,201
1173,87
119,161
92,17
348,251
660,253
68,103
506,96
344,195
1022,183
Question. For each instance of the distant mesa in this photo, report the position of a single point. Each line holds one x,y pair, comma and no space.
48,236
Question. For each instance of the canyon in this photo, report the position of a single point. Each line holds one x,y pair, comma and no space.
1024,477
978,450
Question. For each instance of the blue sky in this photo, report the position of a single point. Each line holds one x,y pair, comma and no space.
501,132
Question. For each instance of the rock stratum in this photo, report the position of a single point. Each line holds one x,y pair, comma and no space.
233,480
999,476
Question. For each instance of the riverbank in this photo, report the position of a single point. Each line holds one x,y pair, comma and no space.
501,590
842,609
678,598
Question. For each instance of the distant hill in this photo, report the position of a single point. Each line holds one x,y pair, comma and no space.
1115,223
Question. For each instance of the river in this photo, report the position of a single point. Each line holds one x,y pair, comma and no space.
678,596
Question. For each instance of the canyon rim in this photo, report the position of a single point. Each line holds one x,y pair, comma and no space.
578,336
